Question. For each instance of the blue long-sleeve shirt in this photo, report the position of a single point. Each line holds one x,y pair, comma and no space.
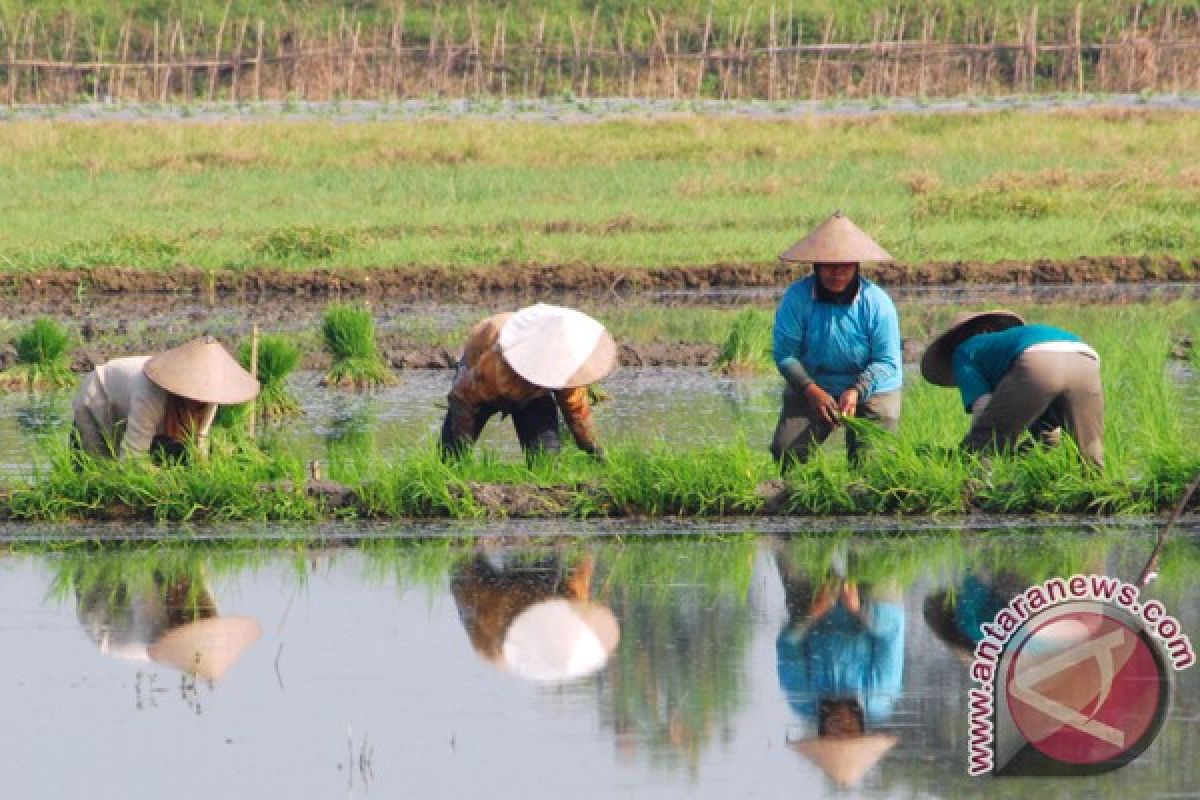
840,346
844,655
981,361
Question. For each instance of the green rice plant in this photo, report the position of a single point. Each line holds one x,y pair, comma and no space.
747,348
277,358
305,243
349,334
232,484
42,358
718,480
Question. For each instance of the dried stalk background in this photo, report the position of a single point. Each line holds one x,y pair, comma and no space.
181,60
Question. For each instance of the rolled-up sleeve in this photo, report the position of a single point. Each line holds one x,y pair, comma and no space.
577,413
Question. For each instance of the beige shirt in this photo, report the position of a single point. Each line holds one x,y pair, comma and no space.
119,390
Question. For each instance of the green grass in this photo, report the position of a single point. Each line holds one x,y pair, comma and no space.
43,360
747,348
628,192
349,334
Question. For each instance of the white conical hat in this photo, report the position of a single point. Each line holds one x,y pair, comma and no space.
202,370
555,347
845,760
837,240
207,647
559,639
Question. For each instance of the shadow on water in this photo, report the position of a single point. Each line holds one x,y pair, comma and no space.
707,662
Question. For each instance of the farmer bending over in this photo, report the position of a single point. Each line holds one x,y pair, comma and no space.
836,343
155,405
1016,378
531,364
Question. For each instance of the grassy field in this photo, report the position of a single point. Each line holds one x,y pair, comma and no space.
631,192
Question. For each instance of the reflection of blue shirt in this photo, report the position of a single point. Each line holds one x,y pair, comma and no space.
838,344
844,656
981,361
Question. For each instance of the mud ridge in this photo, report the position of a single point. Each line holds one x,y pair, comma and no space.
437,282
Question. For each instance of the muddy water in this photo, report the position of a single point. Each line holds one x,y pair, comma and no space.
412,668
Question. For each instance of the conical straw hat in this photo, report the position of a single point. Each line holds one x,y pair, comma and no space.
202,370
555,347
207,647
837,240
845,759
936,363
559,639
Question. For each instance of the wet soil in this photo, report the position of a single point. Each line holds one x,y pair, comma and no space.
427,283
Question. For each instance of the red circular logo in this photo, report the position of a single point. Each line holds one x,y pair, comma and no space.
1085,688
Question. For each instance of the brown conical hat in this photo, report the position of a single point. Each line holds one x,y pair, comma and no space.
556,347
845,760
837,240
936,362
202,370
207,647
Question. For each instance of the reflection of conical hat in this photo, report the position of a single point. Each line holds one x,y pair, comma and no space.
936,363
837,240
202,370
207,647
555,347
560,639
845,759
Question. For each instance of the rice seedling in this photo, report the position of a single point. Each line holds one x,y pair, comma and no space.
42,358
349,333
747,348
277,358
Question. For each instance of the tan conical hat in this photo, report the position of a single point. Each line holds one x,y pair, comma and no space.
559,639
207,647
202,370
837,240
555,347
845,759
936,363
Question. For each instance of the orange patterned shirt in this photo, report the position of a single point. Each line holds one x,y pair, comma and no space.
485,379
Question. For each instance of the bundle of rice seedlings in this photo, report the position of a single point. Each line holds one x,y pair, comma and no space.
277,358
747,349
42,358
349,334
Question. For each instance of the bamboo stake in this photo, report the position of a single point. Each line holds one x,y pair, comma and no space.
253,374
815,94
237,61
258,60
1079,48
212,71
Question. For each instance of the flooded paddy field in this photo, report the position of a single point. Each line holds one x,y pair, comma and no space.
428,661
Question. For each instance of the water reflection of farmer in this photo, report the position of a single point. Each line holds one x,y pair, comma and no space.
154,405
836,343
535,619
170,621
841,664
532,364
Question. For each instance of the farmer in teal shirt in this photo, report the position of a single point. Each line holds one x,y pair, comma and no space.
1017,378
836,343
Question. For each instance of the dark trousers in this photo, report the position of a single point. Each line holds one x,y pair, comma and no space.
799,430
536,423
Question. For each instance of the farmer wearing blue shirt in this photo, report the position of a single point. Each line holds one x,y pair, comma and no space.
1016,378
836,343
